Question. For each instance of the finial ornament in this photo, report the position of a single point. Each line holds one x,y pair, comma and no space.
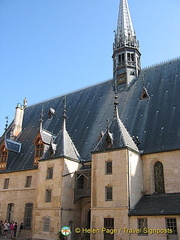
6,126
116,107
41,117
25,102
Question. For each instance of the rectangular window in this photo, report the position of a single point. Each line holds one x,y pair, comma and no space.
28,215
108,224
49,173
172,224
10,211
108,194
46,224
109,167
48,195
6,183
28,181
142,224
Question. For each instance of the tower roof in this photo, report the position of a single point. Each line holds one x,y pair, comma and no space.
125,35
116,135
64,144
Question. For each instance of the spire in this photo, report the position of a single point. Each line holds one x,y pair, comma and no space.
125,32
64,114
116,135
126,53
64,144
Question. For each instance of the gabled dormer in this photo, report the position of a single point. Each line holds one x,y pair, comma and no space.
3,155
39,148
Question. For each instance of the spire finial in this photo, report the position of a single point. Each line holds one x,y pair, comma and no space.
116,107
25,102
64,113
41,117
6,126
125,31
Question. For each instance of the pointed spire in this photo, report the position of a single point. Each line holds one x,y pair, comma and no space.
125,35
116,135
126,53
41,118
64,114
6,126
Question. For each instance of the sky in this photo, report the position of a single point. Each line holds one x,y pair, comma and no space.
49,48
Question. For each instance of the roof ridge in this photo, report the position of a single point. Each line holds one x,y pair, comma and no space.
161,63
68,93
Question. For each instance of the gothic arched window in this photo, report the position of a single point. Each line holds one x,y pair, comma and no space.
159,177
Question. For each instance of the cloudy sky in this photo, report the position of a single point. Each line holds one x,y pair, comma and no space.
51,47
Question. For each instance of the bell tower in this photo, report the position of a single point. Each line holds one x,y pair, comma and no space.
126,54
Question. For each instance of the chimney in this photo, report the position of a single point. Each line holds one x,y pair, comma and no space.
18,119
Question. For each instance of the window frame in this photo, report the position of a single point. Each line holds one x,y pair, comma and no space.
46,225
108,190
172,226
107,172
28,215
49,174
141,224
28,181
48,195
108,224
159,177
6,183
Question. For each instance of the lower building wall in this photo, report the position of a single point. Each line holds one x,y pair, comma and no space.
156,228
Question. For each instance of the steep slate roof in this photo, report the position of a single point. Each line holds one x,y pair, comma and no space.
158,204
117,135
154,120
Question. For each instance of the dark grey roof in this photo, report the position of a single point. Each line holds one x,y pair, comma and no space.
158,204
154,120
65,146
118,136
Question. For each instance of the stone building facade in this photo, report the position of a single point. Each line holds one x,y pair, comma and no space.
63,164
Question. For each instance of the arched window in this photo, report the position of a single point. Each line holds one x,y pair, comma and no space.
10,211
159,177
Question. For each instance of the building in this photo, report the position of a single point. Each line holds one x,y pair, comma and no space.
104,160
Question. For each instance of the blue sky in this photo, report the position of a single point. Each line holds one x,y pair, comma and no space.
51,47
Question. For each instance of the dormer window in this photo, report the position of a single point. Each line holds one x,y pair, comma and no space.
39,149
3,156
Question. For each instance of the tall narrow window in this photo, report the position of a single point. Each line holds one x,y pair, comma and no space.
6,183
28,181
46,224
159,177
108,224
108,194
172,224
142,224
28,215
48,195
3,154
108,167
49,173
10,211
39,148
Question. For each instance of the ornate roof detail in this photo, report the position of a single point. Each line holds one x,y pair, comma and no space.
116,135
125,35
